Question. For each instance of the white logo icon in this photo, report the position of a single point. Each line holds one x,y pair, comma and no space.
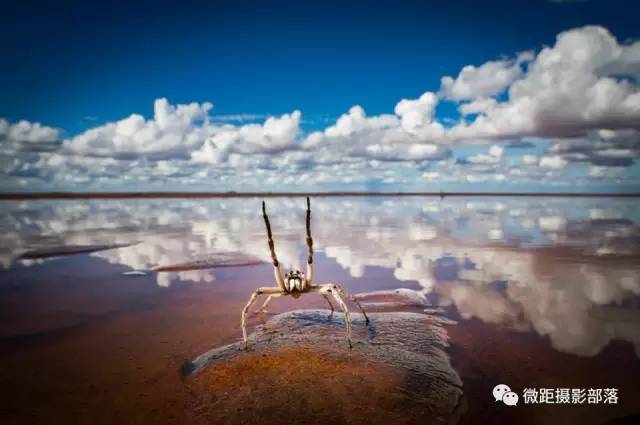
504,394
510,398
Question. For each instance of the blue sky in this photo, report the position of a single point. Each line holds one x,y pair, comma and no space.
74,67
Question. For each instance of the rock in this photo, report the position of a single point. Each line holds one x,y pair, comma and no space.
399,297
135,273
298,366
221,259
61,251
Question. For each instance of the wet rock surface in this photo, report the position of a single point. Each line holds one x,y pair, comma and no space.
392,299
298,368
65,250
223,259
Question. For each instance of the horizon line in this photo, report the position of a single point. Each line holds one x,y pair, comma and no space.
234,194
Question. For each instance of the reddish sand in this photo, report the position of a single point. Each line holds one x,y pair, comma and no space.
485,356
119,363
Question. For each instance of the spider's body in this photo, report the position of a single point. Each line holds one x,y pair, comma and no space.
296,283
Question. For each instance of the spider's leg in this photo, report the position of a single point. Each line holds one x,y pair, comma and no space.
323,290
347,294
263,308
276,265
309,275
333,290
328,302
254,296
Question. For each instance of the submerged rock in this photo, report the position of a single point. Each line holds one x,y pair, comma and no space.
398,297
60,251
298,366
222,259
135,273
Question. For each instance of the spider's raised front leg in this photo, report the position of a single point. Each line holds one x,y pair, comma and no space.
309,275
276,265
245,310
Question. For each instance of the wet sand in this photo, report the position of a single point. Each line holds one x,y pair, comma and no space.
123,365
485,357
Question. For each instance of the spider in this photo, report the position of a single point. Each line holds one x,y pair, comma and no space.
296,283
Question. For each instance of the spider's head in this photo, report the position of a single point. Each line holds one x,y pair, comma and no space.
294,281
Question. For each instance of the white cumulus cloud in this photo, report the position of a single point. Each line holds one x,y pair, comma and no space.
486,80
579,99
27,135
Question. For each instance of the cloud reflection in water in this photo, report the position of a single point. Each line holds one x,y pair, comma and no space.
564,268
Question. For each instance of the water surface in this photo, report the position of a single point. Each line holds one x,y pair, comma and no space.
544,292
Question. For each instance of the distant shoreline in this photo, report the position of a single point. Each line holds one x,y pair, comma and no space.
151,195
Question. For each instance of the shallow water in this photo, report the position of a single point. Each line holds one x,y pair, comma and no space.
541,293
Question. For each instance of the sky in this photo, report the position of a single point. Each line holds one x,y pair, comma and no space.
424,95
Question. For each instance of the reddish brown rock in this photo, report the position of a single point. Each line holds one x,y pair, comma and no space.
298,369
